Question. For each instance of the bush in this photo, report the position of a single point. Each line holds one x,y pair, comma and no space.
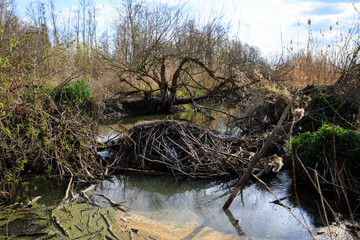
316,150
73,93
35,138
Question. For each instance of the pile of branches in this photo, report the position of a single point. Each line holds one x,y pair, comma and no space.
183,149
40,139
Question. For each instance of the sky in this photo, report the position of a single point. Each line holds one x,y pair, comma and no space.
270,25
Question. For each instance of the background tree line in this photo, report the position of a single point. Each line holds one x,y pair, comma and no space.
141,49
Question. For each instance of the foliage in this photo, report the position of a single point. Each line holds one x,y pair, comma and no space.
316,149
323,107
35,136
39,139
73,93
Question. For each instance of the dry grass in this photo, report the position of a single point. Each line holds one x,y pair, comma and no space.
304,68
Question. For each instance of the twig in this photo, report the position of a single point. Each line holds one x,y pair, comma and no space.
280,199
69,186
96,233
81,230
109,226
217,110
322,203
68,211
114,204
312,182
85,196
280,202
56,220
294,174
7,224
88,222
337,170
34,200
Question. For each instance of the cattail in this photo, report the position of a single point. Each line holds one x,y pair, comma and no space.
298,114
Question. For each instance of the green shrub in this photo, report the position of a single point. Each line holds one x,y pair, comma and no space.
317,152
322,107
73,93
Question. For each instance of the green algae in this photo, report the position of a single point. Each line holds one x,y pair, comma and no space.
71,220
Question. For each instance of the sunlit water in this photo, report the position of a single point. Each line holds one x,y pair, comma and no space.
252,214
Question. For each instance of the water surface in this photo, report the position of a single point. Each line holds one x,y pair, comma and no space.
165,200
219,123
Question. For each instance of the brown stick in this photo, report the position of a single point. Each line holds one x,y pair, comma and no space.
56,220
96,233
69,186
109,226
7,224
255,159
114,204
280,202
280,199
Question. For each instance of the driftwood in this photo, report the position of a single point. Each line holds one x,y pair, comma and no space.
96,233
114,204
109,226
181,148
61,227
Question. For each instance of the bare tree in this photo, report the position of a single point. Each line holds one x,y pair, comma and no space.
160,48
11,31
54,23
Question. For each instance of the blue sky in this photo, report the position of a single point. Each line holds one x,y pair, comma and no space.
267,24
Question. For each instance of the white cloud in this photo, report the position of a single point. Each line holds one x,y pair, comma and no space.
264,22
105,15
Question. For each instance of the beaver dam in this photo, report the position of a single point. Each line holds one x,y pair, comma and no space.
183,149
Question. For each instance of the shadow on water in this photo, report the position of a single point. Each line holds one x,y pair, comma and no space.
164,200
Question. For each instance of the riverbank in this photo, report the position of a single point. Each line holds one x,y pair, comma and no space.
146,228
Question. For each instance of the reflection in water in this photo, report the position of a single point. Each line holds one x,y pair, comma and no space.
164,200
219,124
110,131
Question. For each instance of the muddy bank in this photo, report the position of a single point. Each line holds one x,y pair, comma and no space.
149,229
